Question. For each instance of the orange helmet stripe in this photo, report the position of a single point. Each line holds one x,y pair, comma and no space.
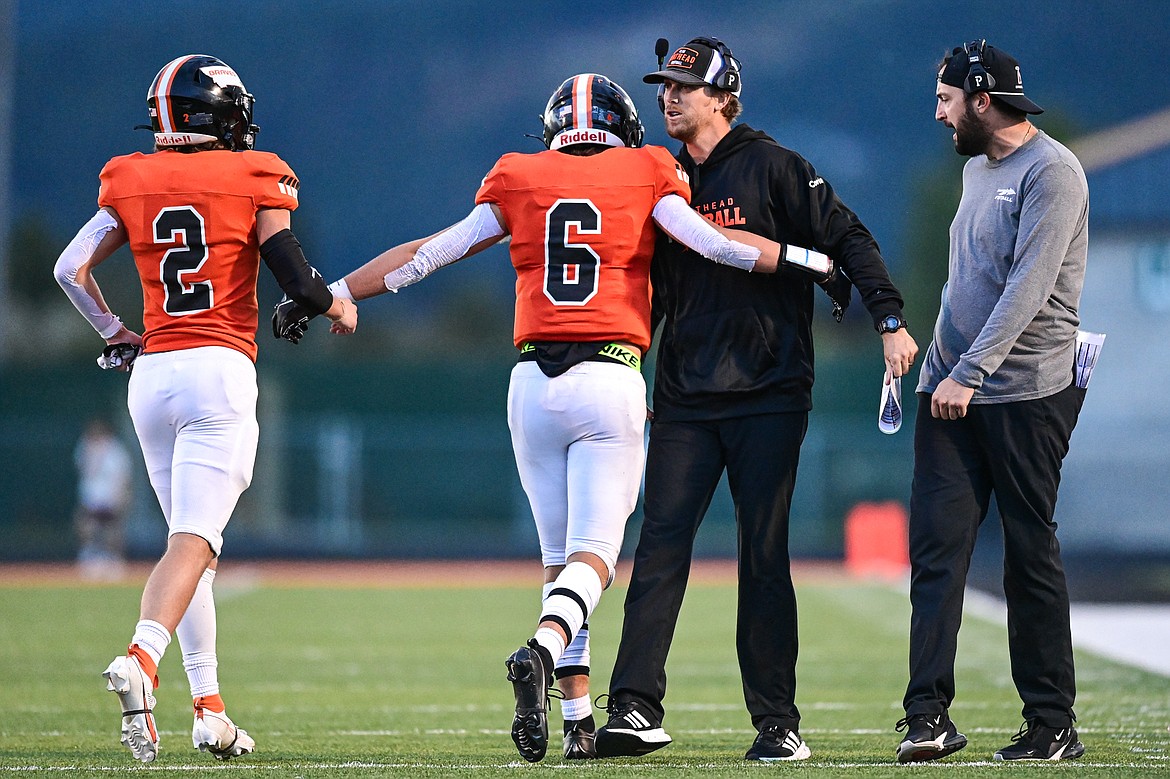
161,90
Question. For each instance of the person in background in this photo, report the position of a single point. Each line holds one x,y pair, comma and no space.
103,495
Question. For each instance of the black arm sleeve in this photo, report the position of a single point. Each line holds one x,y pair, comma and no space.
835,230
299,280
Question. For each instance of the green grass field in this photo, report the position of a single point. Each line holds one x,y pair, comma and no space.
368,681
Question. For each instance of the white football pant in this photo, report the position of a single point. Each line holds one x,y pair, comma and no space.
578,440
194,411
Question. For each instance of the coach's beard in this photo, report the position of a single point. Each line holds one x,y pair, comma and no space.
972,135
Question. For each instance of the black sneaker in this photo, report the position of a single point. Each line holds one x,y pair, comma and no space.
1040,742
928,737
580,739
631,731
530,672
777,743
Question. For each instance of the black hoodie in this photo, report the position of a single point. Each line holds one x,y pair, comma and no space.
736,343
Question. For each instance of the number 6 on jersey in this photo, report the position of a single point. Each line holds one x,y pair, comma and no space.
570,269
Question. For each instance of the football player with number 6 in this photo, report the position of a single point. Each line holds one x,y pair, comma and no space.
582,218
199,214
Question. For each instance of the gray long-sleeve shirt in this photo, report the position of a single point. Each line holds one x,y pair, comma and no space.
1019,242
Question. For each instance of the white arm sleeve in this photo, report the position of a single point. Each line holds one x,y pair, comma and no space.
447,247
678,220
78,253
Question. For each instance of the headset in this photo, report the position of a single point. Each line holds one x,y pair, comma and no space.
726,78
978,79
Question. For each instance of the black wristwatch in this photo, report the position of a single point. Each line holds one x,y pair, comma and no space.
891,324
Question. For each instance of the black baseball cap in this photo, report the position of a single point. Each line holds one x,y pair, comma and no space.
1001,80
701,61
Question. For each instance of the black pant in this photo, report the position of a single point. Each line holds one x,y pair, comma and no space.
1013,450
684,463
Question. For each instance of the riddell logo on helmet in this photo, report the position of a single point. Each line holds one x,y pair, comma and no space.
177,139
584,136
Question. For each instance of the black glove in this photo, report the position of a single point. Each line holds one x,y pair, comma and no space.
289,321
839,289
119,357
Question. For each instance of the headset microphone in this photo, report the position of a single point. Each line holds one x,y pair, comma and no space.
660,48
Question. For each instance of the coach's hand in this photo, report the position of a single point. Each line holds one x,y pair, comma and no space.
289,321
950,400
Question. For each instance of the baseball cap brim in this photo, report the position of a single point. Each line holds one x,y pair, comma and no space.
670,74
1017,101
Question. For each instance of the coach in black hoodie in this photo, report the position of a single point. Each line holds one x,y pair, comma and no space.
732,391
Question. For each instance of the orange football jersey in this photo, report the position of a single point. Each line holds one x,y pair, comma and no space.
582,239
191,219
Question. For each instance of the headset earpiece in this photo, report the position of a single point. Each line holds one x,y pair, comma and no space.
727,78
978,79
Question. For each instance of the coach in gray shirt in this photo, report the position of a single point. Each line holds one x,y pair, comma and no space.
996,407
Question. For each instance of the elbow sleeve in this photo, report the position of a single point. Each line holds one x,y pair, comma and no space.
300,281
76,254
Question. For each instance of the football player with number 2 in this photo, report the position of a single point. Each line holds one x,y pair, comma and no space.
199,214
582,217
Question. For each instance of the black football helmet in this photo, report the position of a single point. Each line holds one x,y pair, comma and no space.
197,98
589,108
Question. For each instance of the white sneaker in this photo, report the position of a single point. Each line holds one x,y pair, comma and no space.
135,690
215,732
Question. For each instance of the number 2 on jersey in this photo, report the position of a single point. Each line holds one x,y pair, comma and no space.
570,269
183,225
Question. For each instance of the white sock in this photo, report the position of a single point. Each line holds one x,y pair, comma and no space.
552,641
578,708
196,633
152,638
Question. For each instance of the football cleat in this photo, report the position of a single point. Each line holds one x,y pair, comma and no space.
928,737
776,743
631,731
135,691
580,740
215,733
1040,742
530,672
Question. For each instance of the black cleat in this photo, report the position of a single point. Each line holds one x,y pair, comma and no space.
529,671
630,732
1040,742
928,737
580,739
777,743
